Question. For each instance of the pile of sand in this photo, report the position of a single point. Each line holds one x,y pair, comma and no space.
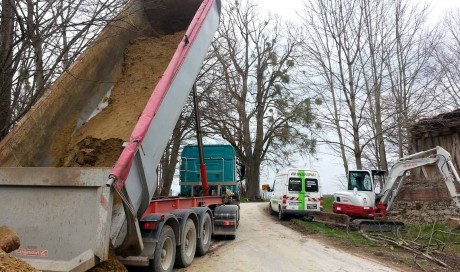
9,241
112,264
9,263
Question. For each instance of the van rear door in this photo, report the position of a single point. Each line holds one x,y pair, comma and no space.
312,194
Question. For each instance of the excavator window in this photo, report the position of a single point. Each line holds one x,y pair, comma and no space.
360,180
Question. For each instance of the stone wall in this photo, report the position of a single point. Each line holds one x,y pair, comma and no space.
422,212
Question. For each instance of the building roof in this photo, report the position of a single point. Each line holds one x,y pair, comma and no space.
442,124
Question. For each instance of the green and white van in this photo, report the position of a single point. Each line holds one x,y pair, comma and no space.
295,192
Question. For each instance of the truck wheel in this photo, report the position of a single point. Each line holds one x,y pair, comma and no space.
281,215
272,212
186,251
205,241
165,251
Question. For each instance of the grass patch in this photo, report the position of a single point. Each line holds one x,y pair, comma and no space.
327,203
437,236
337,234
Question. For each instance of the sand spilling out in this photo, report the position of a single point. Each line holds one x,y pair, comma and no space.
99,141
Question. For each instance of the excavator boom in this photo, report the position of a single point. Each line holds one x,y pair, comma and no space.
436,156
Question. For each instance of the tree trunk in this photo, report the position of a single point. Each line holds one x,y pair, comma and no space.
36,41
252,180
337,122
6,59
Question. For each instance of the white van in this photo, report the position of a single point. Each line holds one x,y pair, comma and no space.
295,192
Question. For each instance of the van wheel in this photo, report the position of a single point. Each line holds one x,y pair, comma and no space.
272,212
281,215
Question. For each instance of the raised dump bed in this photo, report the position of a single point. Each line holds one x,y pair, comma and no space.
100,124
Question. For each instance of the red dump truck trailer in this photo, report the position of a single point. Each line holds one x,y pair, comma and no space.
72,203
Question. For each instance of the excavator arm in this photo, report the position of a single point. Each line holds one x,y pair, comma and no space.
441,158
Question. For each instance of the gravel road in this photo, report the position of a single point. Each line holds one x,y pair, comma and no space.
262,244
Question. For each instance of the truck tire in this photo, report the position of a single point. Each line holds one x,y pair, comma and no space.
186,250
281,215
205,241
165,251
272,212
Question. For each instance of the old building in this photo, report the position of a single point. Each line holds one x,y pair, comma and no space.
424,196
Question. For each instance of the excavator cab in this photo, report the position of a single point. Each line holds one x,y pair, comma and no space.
361,180
364,180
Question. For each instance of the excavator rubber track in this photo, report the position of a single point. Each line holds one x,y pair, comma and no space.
365,225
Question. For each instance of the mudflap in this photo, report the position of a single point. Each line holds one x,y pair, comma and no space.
369,225
226,219
334,219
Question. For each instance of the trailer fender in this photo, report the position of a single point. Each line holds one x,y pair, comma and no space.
201,211
226,220
150,237
183,215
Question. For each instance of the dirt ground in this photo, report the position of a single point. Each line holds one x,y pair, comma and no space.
393,256
262,244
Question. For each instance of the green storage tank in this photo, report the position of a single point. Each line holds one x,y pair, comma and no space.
220,163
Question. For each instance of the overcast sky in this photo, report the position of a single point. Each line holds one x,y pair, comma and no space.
289,8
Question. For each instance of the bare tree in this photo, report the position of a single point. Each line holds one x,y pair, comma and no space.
411,78
372,71
448,55
7,22
334,31
251,104
44,38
